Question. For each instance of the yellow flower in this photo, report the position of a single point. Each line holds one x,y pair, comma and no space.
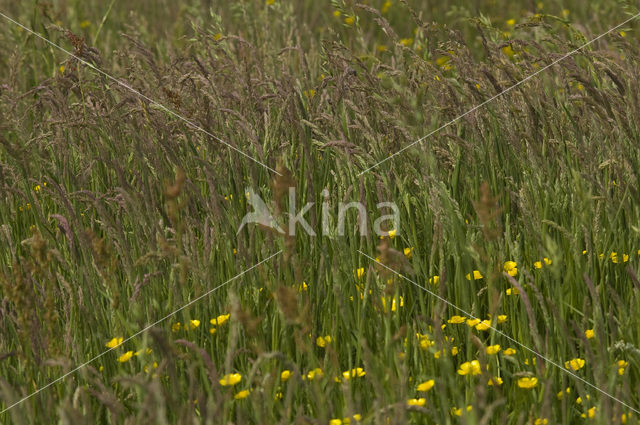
285,375
425,342
509,265
230,379
323,341
455,411
511,22
61,69
442,60
309,93
476,275
212,330
547,261
589,333
176,327
434,280
381,48
565,12
502,318
541,421
336,13
194,323
509,352
484,325
385,7
406,42
528,382
472,322
512,291
220,320
114,343
315,372
360,272
454,351
574,364
270,2
456,319
416,402
241,394
426,385
472,367
217,37
349,20
354,373
408,252
125,357
493,349
85,24
591,413
537,264
496,380
508,50
335,421
37,188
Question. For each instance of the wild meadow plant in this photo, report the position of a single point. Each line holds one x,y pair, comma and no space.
507,292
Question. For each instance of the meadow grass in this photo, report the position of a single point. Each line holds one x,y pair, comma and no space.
114,214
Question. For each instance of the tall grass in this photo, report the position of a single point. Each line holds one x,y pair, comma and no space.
114,214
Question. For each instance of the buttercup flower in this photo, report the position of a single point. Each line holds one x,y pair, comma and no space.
323,341
493,349
230,379
220,320
472,322
476,275
114,343
470,368
313,373
426,385
125,357
484,325
574,364
241,394
416,402
496,380
528,382
456,319
353,373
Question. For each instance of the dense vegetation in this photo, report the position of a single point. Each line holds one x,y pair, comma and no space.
508,294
